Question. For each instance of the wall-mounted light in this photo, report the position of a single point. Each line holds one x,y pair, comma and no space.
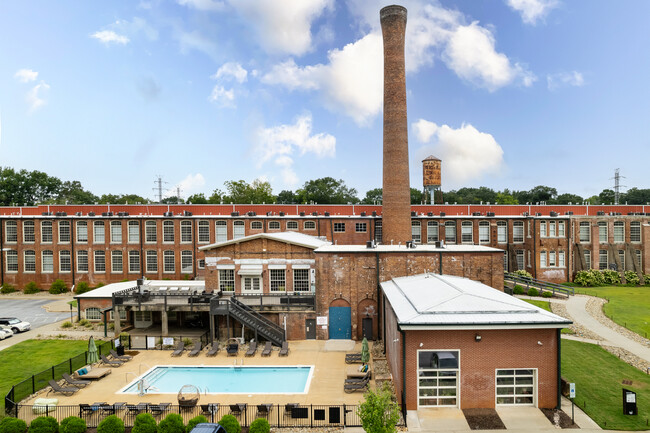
421,344
477,338
540,343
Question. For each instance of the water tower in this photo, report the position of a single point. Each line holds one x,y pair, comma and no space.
431,169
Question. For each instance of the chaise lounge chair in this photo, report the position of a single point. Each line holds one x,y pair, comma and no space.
251,349
263,410
353,385
209,409
111,409
159,409
236,409
354,373
196,350
232,349
120,357
284,350
179,349
268,347
353,358
58,388
214,349
107,361
75,382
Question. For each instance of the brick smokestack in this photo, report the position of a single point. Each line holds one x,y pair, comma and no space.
396,209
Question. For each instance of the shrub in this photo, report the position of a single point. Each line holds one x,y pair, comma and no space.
260,425
100,284
44,424
188,341
379,412
31,288
144,423
83,322
646,279
547,295
230,423
518,290
590,278
194,421
111,424
611,277
66,324
7,288
173,423
73,424
81,287
532,291
522,273
12,425
57,287
632,278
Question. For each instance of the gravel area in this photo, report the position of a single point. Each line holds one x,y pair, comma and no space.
578,330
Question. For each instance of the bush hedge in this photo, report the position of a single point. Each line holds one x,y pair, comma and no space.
81,287
173,423
111,424
44,424
144,423
230,423
12,425
547,295
58,287
73,424
532,291
260,425
518,290
7,288
31,288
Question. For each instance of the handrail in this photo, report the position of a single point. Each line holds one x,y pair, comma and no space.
256,315
542,285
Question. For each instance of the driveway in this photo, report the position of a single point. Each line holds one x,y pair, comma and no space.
32,311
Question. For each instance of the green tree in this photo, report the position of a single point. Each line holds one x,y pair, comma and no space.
506,197
172,200
216,197
636,196
606,197
416,196
568,198
286,197
72,192
379,413
327,190
197,199
241,192
374,196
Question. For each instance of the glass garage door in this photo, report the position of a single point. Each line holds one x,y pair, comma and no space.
516,387
438,374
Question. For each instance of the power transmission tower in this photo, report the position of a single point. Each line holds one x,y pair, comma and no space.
178,194
617,186
159,187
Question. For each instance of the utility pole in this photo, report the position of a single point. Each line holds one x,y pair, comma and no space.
159,183
617,186
178,194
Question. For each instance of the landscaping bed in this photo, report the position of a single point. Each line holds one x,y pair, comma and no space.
559,418
483,419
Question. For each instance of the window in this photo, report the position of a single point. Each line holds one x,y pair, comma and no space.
186,262
619,232
64,232
639,259
12,260
432,232
251,284
204,232
602,259
116,232
416,232
82,261
168,231
150,234
450,232
466,232
484,232
309,225
11,232
551,259
520,258
515,387
169,264
47,261
46,232
588,258
82,231
560,259
542,229
438,378
360,227
201,264
339,227
30,261
116,262
227,280
100,261
560,228
93,314
378,232
239,230
152,261
134,261
505,261
551,229
635,231
142,316
274,225
256,225
293,225
222,231
134,232
186,231
277,280
585,231
621,258
518,232
542,259
65,262
502,232
28,232
602,232
301,280
98,232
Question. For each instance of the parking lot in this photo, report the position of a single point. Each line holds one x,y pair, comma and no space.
32,311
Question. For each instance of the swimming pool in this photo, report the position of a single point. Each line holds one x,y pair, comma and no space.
225,379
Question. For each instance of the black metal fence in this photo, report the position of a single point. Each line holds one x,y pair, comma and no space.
40,380
158,342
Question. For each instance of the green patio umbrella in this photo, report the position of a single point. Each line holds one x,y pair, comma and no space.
365,353
92,351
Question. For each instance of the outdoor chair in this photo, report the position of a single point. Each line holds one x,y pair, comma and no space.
252,349
85,409
353,385
135,409
118,357
268,347
284,350
159,409
209,409
108,362
236,409
111,409
179,349
58,388
263,410
213,349
353,358
289,407
232,349
75,382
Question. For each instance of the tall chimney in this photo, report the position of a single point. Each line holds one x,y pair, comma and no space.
396,209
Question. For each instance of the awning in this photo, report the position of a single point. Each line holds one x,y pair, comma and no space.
250,270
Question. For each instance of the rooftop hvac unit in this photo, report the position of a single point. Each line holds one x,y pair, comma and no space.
326,214
430,214
187,213
600,213
123,214
78,213
281,213
374,213
235,214
362,214
168,214
476,213
442,214
538,214
269,213
104,214
414,213
314,214
302,214
61,214
490,214
252,213
46,213
440,244
525,214
370,244
91,213
553,214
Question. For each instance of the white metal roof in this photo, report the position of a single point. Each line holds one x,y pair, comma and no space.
402,248
429,301
163,285
288,237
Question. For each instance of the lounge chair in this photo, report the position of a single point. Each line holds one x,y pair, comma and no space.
179,349
236,409
353,385
159,409
213,349
115,355
107,361
268,347
263,410
353,358
111,409
58,388
252,349
75,382
92,374
85,409
354,373
289,407
284,350
209,409
232,349
135,409
196,350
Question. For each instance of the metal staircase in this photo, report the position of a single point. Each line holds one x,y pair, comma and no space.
254,320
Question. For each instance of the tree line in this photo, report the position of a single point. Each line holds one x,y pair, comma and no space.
29,188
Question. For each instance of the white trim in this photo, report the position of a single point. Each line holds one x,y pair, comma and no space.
277,266
300,266
219,267
481,326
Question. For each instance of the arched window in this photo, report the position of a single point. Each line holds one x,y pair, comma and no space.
432,232
467,232
450,232
416,232
484,232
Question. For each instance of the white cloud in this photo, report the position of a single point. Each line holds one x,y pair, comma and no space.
192,183
222,96
194,40
231,70
467,154
283,27
108,37
35,98
26,75
564,79
532,10
203,5
135,26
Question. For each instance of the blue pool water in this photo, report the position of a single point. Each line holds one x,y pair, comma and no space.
226,380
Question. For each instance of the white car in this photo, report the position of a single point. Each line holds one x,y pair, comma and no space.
5,333
16,325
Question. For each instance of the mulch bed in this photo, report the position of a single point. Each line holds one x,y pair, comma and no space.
564,420
483,419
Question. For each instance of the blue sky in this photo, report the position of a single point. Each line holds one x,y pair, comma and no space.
508,93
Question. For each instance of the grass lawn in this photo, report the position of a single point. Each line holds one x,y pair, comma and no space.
20,361
598,376
627,306
546,305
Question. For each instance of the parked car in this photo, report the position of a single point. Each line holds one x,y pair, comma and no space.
15,324
5,333
207,427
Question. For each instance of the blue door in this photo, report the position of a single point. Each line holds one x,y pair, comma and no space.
340,323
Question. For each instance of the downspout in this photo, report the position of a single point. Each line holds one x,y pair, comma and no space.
440,263
534,248
379,315
558,336
2,256
142,235
194,257
403,336
332,231
73,239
